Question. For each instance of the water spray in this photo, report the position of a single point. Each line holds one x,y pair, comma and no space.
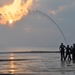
40,12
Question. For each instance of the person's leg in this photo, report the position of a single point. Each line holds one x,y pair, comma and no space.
73,56
61,56
66,56
69,57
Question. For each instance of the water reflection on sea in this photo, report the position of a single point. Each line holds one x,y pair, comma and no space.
35,64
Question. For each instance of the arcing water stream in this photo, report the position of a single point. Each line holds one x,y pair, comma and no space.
42,13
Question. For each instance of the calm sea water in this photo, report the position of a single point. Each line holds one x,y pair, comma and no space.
34,63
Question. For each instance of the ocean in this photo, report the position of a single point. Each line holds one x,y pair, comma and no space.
29,61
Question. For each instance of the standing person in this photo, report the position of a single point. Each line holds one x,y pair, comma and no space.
73,52
62,51
68,53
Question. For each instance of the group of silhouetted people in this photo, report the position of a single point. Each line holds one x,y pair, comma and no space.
67,52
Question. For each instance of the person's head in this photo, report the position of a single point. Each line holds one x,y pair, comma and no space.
71,46
74,45
61,43
67,45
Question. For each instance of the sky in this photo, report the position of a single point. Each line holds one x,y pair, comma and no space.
36,30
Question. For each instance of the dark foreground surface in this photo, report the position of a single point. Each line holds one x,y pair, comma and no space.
34,63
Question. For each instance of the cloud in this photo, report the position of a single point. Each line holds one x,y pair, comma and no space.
62,8
5,2
68,14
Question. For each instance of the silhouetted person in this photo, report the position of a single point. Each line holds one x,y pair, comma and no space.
68,53
62,51
73,52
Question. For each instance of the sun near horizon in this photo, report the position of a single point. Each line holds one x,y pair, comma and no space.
11,21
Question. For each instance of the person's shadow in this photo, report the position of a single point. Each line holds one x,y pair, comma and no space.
64,64
74,61
62,67
68,63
